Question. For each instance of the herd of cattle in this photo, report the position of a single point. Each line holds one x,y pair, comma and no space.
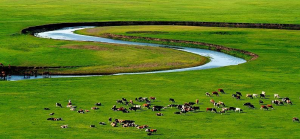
147,103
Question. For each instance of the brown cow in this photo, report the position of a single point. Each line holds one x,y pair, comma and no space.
215,93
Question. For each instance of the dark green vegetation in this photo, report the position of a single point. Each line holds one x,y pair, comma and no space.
275,71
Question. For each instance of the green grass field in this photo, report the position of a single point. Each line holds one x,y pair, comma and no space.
275,71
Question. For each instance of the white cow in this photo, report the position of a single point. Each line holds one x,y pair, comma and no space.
255,95
238,109
276,96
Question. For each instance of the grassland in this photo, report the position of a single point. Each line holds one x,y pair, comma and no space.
275,71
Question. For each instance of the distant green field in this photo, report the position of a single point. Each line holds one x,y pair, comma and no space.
275,71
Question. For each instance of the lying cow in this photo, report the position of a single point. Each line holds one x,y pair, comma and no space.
151,130
159,114
64,126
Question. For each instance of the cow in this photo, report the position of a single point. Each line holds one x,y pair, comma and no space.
262,96
249,96
146,106
289,102
225,109
172,105
52,119
102,123
238,97
195,108
221,103
98,104
260,102
124,99
255,95
285,99
217,105
234,95
152,98
157,108
119,101
295,119
177,113
264,107
151,130
113,124
137,106
251,106
94,108
134,108
232,108
270,106
212,101
69,102
222,91
159,114
114,107
247,104
238,109
64,126
191,103
263,92
197,101
222,111
46,108
172,100
92,126
215,93
73,109
276,96
207,94
238,93
51,114
58,105
80,111
211,109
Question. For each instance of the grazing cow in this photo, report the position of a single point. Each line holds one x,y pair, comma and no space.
134,108
249,96
262,96
276,96
159,114
251,106
102,123
197,101
211,109
46,108
195,108
285,99
92,126
289,102
64,126
261,102
222,91
255,95
131,102
247,104
215,93
58,105
94,108
119,101
270,106
151,130
232,108
81,111
221,103
222,111
212,101
98,104
114,107
217,105
263,107
171,99
207,94
238,97
146,105
295,119
113,124
152,98
238,93
177,113
238,109
157,108
51,114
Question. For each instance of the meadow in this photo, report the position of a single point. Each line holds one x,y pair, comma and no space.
275,71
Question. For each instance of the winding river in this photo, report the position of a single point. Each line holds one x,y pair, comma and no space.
217,59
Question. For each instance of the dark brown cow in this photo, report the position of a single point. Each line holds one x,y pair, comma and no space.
215,93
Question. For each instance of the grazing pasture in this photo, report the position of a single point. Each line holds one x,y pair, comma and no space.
276,71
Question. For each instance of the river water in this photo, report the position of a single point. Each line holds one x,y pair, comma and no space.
217,59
